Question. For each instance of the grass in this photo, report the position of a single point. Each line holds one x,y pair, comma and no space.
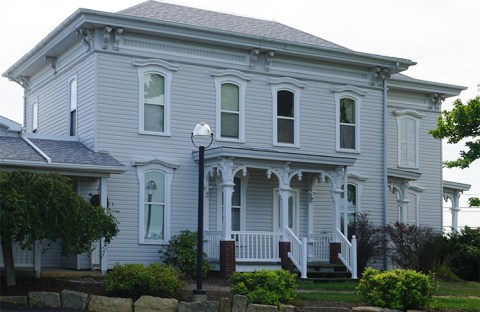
450,296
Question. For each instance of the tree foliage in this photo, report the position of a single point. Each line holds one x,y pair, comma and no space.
36,206
462,122
474,202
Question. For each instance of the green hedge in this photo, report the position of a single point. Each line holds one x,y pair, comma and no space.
135,280
265,287
397,289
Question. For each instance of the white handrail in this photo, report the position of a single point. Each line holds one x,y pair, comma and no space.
298,252
348,253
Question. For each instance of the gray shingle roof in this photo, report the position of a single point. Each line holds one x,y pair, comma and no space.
60,152
225,22
15,148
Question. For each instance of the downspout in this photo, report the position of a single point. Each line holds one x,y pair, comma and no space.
385,171
36,148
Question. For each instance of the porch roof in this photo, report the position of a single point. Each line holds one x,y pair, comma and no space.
271,155
455,186
65,155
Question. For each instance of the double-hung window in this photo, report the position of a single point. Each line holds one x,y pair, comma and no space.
230,88
286,111
408,124
154,201
155,78
73,106
348,100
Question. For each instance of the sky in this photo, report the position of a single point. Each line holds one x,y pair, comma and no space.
442,36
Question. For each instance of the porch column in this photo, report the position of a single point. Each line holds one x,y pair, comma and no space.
284,196
336,214
345,202
454,198
227,209
103,203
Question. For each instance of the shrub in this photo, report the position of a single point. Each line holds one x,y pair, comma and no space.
134,280
181,253
397,289
265,287
463,250
370,241
413,247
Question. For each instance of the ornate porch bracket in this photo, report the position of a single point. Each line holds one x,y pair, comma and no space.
106,36
436,101
253,57
378,75
118,38
52,60
268,59
87,37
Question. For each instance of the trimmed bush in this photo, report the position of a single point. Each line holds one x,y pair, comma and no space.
397,289
135,280
265,287
181,253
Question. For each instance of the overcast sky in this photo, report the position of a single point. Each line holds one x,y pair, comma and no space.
442,36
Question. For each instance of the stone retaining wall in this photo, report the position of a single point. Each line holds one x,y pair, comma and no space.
84,302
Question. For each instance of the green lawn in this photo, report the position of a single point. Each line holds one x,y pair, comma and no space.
451,296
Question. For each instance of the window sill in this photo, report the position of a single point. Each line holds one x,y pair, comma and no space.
348,151
408,168
153,243
219,139
286,145
165,134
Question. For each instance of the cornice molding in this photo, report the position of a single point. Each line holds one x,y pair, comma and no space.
155,62
231,72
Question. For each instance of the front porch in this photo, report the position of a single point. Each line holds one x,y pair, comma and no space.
265,209
266,250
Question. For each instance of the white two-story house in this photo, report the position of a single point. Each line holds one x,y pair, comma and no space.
305,134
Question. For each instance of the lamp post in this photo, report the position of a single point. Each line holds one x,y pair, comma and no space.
202,130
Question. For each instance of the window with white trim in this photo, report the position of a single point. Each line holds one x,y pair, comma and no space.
230,86
34,116
352,195
154,203
408,122
72,87
348,100
154,77
286,111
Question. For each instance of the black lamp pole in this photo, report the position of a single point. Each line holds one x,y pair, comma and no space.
201,162
201,130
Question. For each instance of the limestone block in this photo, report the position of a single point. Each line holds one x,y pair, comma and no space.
287,308
74,299
13,299
224,305
108,304
44,299
202,306
261,308
153,304
239,303
326,309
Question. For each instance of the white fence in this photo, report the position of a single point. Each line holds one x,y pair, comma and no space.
320,250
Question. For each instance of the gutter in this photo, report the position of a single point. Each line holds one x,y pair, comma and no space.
385,170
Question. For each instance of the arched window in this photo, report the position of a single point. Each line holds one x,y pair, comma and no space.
408,122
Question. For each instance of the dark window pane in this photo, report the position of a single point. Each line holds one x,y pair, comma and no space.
230,97
347,111
235,219
230,125
285,131
285,103
154,118
237,189
73,122
347,136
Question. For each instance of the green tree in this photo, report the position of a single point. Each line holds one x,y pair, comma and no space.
462,122
474,202
36,206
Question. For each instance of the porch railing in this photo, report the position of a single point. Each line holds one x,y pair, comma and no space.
257,246
298,252
348,254
211,240
320,243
